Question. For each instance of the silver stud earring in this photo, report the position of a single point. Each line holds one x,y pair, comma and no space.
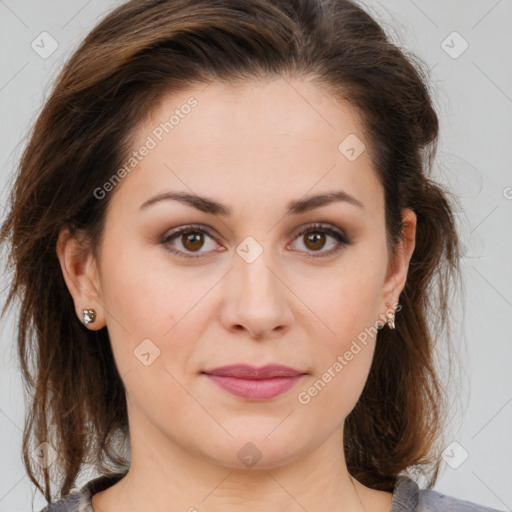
88,316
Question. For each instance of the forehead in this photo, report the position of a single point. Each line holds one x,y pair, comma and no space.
275,110
271,136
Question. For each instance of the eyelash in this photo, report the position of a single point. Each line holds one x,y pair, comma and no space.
339,236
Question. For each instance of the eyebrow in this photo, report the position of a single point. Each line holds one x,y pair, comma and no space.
296,207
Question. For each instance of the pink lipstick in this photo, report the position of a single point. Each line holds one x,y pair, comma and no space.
254,383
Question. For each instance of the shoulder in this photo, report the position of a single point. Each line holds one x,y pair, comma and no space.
74,502
408,497
80,500
434,501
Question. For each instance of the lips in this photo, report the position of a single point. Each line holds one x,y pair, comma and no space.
244,371
255,383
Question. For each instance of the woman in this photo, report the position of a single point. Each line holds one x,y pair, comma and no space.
225,240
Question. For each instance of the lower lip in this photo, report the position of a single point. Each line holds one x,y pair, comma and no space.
253,389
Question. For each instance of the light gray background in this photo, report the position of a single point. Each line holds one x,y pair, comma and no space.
473,95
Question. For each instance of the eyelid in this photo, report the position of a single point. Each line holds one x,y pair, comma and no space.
338,234
324,226
188,228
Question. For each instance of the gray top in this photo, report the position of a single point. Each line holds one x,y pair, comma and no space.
407,497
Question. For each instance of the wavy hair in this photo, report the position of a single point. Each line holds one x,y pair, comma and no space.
142,51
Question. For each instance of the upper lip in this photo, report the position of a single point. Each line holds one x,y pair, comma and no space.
244,371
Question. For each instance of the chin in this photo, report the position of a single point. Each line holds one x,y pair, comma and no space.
256,450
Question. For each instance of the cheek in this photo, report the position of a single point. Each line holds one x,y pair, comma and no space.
144,291
146,297
331,394
342,358
142,302
346,298
346,304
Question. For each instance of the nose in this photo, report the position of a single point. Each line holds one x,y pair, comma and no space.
257,299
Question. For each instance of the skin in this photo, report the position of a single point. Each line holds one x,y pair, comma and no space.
253,147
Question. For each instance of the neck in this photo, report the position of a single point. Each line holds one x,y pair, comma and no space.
174,478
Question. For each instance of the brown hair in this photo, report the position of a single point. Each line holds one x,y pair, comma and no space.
141,51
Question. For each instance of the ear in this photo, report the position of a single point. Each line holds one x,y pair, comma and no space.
399,265
81,275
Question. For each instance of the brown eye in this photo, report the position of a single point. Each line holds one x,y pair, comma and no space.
189,242
314,240
192,241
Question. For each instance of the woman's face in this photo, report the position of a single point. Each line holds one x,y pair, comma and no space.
252,281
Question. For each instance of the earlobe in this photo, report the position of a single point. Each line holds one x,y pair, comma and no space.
80,273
